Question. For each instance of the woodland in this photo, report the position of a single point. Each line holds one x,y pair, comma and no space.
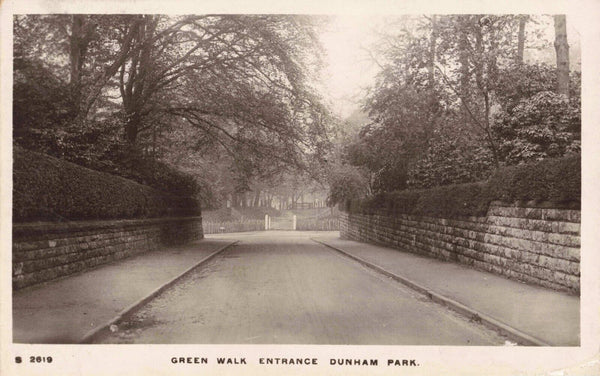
230,108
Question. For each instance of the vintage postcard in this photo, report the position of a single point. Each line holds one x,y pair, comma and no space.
327,188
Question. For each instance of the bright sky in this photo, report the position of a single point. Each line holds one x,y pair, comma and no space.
349,67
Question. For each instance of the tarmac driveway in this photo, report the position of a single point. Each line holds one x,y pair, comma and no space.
282,288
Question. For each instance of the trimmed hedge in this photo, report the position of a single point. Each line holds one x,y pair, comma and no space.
49,189
556,181
133,165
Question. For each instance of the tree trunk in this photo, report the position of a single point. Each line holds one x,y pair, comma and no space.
521,40
431,81
132,91
256,198
562,54
100,79
478,63
75,57
463,45
483,84
81,33
131,129
432,45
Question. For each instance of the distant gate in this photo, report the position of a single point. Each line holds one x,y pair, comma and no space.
280,223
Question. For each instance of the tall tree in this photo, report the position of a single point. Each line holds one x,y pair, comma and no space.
562,54
440,72
462,24
242,85
235,78
521,39
433,39
79,40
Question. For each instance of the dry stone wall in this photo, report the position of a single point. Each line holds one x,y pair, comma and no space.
45,251
533,244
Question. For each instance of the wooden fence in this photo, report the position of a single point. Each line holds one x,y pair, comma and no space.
303,224
233,226
318,224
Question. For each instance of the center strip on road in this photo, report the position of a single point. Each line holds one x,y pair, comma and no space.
472,314
97,332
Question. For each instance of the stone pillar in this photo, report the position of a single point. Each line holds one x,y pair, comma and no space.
294,223
266,221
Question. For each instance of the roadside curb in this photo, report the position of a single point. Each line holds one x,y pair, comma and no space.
472,314
90,336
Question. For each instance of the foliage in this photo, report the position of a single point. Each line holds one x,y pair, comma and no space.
43,115
403,108
552,180
105,86
449,201
448,161
384,152
430,103
346,183
46,188
149,171
517,82
454,100
41,102
521,81
543,126
237,78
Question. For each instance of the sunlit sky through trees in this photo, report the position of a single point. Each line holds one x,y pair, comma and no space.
348,40
349,69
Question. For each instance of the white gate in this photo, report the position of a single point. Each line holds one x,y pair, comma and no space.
280,223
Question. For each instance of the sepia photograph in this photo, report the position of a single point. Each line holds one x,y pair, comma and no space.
295,191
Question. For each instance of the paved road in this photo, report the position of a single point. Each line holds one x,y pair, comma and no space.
282,288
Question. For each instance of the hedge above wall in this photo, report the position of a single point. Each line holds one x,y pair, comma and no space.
552,180
49,189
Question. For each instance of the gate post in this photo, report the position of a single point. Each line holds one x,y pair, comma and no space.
266,221
294,223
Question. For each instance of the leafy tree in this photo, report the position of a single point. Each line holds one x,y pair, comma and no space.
520,81
451,161
236,78
534,122
241,83
44,114
521,39
404,106
346,182
542,126
455,99
562,54
437,69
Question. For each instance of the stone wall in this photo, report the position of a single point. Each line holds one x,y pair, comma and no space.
45,251
532,244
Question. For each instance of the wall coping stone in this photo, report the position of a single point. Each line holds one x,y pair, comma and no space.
571,205
33,228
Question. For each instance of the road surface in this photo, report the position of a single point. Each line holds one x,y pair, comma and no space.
282,288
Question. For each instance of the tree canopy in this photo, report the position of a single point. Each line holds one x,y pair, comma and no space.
455,98
225,105
109,90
